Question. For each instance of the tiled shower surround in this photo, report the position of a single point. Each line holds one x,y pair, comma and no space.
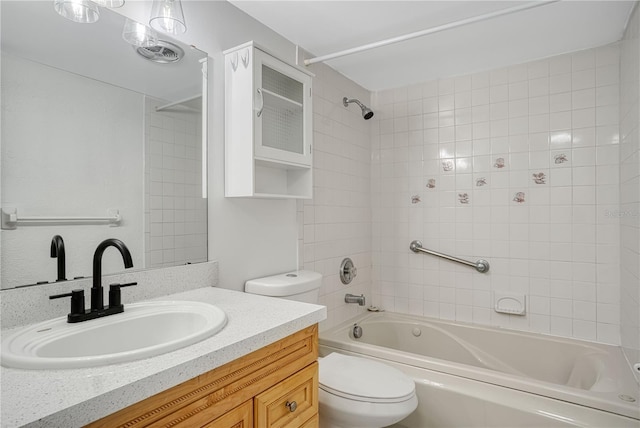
518,165
336,223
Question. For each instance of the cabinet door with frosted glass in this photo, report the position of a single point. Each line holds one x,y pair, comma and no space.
282,130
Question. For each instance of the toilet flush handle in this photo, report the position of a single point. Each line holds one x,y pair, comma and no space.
291,405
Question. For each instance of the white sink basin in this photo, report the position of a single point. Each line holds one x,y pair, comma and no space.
142,330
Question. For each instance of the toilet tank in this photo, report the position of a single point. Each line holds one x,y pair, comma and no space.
301,285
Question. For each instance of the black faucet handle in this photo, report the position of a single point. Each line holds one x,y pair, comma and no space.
77,301
115,295
128,284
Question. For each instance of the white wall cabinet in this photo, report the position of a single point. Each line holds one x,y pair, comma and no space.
268,126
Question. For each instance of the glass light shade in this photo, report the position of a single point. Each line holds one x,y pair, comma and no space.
112,4
139,34
82,11
167,16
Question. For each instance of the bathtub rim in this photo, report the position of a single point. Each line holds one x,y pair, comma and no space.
334,337
458,384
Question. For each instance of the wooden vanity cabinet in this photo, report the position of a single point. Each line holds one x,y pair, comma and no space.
275,386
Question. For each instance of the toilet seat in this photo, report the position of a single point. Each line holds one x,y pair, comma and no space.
359,379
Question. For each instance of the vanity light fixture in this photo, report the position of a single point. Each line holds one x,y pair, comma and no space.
167,16
138,34
82,11
112,4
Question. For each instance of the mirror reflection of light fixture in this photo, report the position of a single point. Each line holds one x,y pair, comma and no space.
167,16
138,34
82,11
112,4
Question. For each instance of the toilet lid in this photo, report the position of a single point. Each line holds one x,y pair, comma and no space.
364,380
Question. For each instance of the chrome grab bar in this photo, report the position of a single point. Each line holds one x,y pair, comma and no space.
481,265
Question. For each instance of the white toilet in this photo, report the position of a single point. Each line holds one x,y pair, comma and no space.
354,392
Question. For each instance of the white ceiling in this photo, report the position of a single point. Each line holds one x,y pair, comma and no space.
324,27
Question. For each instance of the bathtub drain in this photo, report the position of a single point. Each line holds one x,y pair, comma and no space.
357,331
628,398
416,331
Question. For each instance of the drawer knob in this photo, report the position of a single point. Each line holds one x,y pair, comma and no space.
291,405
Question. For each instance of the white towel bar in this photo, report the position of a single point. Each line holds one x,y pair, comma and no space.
10,219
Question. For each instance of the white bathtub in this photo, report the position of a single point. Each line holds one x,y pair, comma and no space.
519,378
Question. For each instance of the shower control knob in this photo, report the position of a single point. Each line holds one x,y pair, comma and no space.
291,405
348,271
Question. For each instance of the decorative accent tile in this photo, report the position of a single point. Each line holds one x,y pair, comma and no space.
519,197
537,170
415,199
539,178
561,158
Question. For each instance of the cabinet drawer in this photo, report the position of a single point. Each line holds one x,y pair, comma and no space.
314,422
240,417
290,403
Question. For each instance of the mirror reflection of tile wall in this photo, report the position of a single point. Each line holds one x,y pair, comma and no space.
175,212
62,156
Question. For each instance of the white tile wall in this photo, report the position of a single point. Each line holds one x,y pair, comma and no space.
176,214
518,166
336,223
629,210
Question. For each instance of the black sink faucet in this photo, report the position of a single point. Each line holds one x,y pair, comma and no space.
57,251
97,298
98,310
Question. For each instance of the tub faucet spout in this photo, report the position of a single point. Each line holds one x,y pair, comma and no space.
352,298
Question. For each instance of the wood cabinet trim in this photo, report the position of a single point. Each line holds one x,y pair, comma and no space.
221,389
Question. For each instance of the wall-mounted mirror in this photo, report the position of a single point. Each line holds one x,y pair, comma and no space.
93,130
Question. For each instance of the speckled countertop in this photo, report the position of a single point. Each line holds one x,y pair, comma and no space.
72,398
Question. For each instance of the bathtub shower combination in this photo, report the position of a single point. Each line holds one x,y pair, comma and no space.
475,376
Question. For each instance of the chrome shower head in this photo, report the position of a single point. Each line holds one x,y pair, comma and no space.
367,113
